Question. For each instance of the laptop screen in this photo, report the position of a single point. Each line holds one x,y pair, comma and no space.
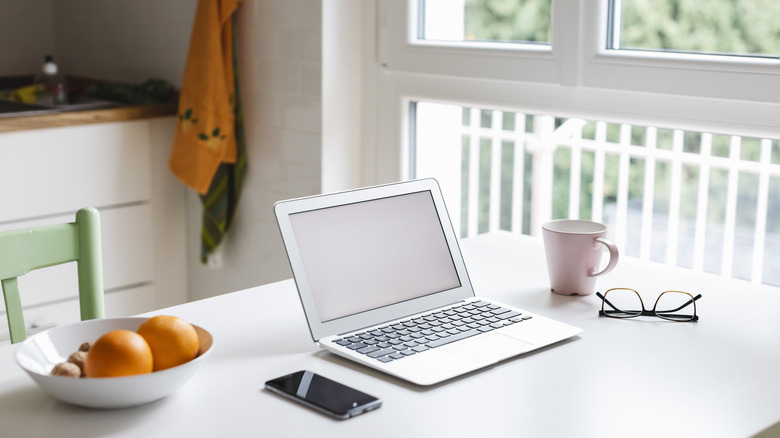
369,254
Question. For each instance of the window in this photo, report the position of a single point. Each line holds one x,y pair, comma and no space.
586,76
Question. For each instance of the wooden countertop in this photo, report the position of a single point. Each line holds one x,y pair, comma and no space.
129,112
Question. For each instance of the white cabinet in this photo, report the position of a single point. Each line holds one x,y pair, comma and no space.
120,168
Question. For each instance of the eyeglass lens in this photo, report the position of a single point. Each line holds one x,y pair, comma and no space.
622,303
675,305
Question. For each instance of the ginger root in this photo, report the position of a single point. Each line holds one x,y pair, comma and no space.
74,366
78,358
66,369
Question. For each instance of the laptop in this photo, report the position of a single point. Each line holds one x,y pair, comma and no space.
382,282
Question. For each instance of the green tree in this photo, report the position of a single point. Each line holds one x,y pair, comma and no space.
508,20
712,26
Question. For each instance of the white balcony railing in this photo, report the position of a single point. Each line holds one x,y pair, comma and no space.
698,200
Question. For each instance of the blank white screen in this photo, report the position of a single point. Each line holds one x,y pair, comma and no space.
370,254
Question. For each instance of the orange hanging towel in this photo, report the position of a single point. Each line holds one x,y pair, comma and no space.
205,135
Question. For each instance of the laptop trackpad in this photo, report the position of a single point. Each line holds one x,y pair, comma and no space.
488,348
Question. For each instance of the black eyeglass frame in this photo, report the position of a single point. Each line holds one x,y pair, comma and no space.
668,315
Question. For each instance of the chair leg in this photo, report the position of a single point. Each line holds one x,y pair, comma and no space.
13,309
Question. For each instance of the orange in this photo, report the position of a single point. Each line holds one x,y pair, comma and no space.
173,340
118,353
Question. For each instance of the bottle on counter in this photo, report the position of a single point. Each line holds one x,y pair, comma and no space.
50,86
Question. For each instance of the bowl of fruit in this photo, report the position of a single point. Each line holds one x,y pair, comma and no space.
115,362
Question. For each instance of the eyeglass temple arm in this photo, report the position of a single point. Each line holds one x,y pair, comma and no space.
598,294
684,305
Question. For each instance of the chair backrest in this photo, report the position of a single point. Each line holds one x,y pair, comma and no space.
22,251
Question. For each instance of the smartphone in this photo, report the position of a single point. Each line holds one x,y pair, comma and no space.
325,395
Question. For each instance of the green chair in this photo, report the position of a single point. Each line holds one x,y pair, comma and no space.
22,251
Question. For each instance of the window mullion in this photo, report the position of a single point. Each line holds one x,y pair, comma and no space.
566,40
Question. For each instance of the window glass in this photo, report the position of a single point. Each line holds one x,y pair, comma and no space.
508,21
735,27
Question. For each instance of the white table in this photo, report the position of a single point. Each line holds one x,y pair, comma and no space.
717,377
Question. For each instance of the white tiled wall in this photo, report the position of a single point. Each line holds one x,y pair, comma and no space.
280,73
280,70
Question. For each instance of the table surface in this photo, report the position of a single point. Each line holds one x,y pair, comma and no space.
717,377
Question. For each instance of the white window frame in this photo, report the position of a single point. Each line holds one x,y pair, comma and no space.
576,77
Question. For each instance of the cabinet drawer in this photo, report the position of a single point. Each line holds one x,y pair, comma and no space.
127,256
63,169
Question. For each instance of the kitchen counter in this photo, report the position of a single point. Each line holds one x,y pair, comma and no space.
127,112
80,113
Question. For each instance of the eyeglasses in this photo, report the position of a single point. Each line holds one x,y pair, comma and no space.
621,302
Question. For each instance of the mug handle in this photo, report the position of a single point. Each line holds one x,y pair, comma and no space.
613,257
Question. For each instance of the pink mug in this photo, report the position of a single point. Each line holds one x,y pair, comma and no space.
573,249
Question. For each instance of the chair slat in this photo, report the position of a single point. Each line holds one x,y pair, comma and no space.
36,248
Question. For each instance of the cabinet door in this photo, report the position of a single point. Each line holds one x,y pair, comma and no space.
60,170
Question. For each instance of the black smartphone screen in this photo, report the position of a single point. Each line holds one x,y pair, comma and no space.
323,394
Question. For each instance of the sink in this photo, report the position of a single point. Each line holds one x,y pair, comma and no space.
16,109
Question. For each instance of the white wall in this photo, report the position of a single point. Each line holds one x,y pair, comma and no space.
26,35
123,40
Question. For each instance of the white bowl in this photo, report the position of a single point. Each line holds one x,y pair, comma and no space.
38,354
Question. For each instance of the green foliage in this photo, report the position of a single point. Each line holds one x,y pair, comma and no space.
712,26
508,20
150,91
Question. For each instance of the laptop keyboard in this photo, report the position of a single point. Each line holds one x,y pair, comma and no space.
415,335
